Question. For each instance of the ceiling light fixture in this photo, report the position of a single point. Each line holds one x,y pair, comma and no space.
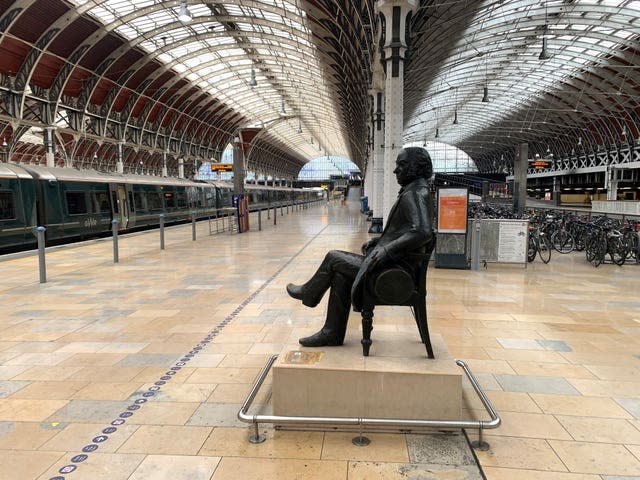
299,127
252,81
485,94
437,132
283,111
455,117
184,15
544,55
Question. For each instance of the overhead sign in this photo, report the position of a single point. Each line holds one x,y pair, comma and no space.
539,164
221,167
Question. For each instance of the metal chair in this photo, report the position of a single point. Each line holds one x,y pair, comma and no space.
396,286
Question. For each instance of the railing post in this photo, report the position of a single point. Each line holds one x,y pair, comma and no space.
259,219
193,226
114,230
39,231
162,231
475,246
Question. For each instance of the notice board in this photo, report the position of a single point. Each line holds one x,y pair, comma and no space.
504,240
452,210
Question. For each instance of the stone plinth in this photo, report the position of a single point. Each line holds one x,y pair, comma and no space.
396,381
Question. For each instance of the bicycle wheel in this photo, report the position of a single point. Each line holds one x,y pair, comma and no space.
600,249
562,241
544,248
532,249
617,250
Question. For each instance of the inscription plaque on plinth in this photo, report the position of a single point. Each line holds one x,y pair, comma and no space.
396,381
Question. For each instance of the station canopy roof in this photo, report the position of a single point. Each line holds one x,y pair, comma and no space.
186,77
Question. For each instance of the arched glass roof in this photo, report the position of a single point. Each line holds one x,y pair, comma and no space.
447,158
322,168
256,57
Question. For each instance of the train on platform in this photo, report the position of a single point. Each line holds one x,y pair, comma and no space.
80,204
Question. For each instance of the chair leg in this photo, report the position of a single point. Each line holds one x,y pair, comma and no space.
421,319
367,326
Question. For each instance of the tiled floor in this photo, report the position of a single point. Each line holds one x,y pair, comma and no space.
144,364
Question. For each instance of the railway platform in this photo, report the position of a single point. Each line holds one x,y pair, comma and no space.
137,369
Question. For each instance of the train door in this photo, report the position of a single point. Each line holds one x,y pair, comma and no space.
120,205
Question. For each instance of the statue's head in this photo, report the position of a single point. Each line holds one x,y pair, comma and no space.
412,163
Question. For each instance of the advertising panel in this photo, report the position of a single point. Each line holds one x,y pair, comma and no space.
452,210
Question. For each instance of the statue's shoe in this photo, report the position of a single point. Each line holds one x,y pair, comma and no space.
298,292
320,339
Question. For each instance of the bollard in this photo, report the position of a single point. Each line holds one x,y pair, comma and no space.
193,226
162,231
287,209
475,246
259,219
275,215
281,212
114,229
39,231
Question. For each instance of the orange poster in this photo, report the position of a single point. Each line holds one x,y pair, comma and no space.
452,210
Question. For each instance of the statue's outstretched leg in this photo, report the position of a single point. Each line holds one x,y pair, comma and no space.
335,325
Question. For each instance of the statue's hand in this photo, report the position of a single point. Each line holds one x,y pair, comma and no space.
368,246
377,256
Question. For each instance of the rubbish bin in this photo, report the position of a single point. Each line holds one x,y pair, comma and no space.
364,204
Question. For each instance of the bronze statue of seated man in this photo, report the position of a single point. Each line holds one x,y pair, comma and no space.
408,230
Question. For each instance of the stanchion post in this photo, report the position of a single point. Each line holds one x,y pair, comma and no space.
193,226
162,231
114,230
475,246
281,212
39,231
275,215
259,219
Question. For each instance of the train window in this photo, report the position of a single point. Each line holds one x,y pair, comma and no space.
169,200
210,197
132,205
7,206
138,201
154,201
77,203
101,202
181,199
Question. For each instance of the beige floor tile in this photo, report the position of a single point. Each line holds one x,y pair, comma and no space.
234,442
166,440
530,425
42,373
74,436
283,469
543,369
520,453
635,449
182,392
599,458
105,373
581,406
625,373
496,473
107,391
403,471
50,390
175,467
164,413
99,466
606,430
28,410
244,361
490,366
26,465
223,375
237,393
24,435
383,447
606,388
152,374
525,355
